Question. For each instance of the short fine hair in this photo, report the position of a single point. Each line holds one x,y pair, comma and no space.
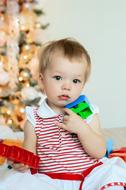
69,48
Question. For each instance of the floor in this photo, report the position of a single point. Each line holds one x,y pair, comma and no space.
118,136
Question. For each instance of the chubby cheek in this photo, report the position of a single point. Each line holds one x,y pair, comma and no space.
53,88
76,93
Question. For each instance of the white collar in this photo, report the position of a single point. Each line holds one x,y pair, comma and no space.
44,111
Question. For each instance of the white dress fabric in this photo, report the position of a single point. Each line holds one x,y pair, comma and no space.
111,175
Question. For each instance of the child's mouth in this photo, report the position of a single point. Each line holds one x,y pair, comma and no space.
64,97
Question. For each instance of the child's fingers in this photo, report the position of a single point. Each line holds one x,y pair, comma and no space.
20,167
10,162
68,111
66,118
17,165
23,168
61,125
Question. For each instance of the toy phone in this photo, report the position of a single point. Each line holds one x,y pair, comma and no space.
81,106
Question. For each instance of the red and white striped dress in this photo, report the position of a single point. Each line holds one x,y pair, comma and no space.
61,153
59,150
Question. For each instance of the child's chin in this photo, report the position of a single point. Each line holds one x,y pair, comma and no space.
63,103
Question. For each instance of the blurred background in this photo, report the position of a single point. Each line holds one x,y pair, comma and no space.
99,25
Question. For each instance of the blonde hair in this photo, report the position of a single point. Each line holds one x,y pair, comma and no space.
69,48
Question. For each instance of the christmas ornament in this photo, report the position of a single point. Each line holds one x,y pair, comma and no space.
21,35
4,76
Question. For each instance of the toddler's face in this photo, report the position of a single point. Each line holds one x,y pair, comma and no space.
63,81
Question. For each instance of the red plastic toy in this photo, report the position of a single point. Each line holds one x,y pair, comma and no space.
18,154
119,153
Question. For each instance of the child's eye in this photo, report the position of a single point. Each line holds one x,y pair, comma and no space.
57,77
76,81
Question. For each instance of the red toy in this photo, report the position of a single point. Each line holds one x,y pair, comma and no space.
18,154
119,153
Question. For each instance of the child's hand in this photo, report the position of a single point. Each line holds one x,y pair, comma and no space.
72,122
18,166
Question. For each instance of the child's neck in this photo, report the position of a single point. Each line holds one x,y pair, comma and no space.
58,110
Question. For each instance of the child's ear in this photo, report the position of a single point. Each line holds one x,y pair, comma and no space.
40,76
40,82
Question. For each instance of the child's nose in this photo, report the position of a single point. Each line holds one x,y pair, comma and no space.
66,85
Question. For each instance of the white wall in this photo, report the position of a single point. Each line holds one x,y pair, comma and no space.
100,25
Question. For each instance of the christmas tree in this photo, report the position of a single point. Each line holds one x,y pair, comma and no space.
21,35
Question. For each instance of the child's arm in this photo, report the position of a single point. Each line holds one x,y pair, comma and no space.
90,135
29,137
92,139
29,144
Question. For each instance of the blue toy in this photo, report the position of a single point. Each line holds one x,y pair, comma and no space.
109,147
81,106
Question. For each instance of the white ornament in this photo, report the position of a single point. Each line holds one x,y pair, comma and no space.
4,76
29,93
